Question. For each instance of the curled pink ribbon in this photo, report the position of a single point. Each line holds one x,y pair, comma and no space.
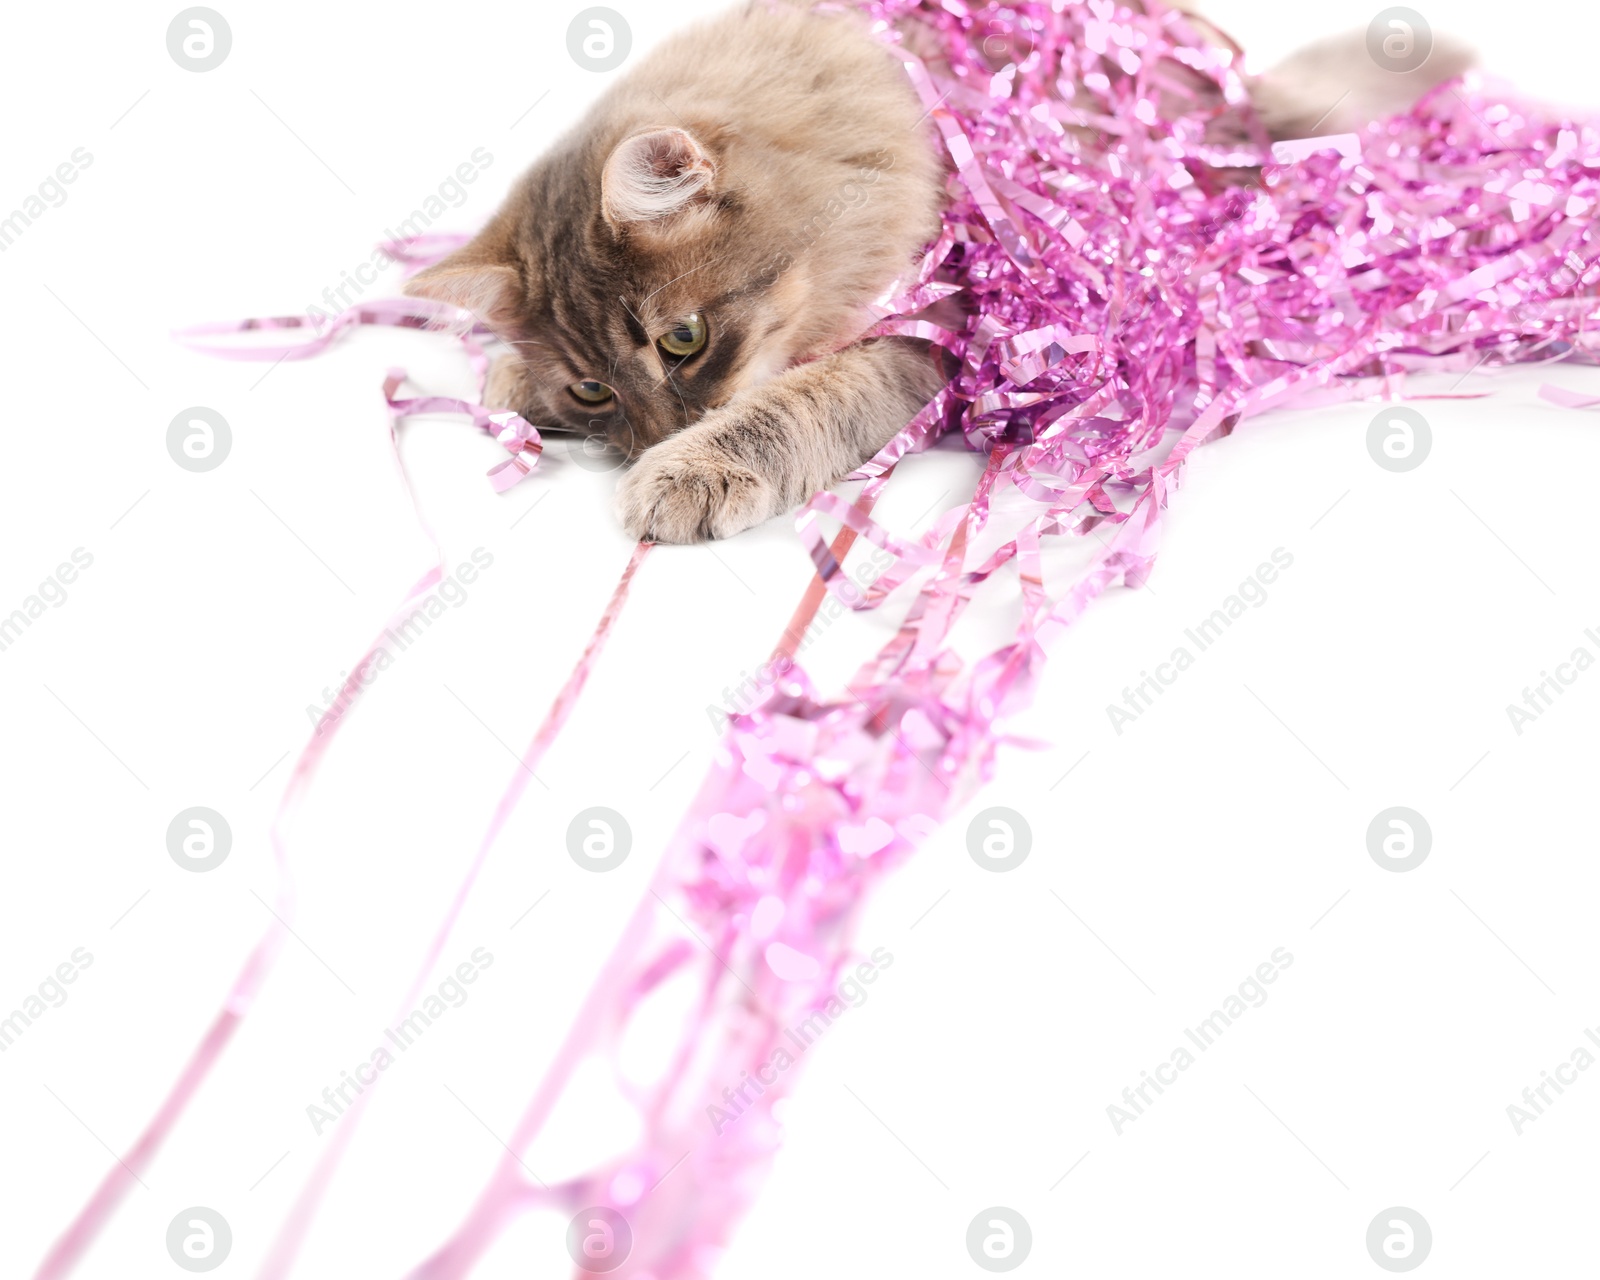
1130,290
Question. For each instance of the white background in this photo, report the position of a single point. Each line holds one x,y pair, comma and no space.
1228,821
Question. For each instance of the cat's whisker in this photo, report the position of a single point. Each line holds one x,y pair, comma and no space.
642,329
687,417
674,281
631,311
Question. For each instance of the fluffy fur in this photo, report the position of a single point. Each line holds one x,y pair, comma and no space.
770,172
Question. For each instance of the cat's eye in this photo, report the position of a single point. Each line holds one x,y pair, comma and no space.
684,338
591,392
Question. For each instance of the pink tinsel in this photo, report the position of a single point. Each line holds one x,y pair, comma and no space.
1119,286
1127,289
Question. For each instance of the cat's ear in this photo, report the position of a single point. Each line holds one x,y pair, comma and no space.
654,175
475,280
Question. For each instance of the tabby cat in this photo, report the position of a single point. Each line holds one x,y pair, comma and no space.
687,273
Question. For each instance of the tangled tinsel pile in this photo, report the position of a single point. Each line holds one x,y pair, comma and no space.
1124,286
1126,270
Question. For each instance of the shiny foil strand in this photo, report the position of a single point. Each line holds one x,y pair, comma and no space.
1136,272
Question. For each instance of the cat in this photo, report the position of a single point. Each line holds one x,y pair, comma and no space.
686,273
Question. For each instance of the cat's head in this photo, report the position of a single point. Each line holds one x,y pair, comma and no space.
637,282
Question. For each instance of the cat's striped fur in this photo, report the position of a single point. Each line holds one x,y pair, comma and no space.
770,172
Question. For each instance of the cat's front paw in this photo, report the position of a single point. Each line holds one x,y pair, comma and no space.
681,491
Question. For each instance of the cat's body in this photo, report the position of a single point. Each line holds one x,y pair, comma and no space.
687,272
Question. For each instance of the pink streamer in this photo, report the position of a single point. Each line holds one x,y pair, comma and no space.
1130,292
520,440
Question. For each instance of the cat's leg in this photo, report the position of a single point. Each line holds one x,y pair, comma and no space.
1341,84
770,448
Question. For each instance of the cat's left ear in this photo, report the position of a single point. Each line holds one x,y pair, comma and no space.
476,278
654,175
